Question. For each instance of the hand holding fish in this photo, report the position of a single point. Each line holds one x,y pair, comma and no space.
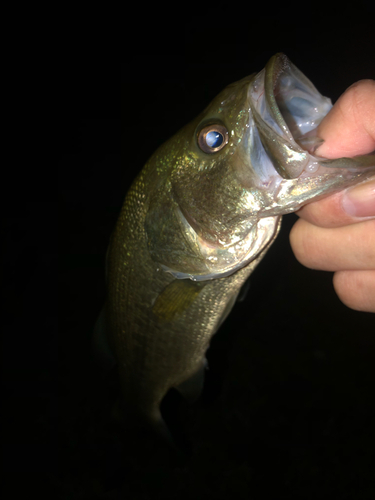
337,233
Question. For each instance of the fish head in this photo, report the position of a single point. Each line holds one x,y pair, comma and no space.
239,166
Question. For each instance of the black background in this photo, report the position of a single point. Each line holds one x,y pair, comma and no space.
288,410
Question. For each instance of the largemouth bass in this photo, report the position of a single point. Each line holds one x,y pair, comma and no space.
198,219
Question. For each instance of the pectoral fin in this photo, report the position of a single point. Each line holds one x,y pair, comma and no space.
176,298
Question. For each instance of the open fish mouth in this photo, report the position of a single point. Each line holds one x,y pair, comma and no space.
287,109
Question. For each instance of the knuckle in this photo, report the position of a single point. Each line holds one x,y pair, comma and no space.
356,289
303,243
346,288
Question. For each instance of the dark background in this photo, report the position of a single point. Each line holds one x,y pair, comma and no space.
288,409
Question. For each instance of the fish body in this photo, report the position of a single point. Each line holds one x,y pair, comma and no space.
198,219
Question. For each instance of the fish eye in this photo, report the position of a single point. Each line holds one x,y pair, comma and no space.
213,138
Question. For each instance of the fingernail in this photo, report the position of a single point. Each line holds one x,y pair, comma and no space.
359,201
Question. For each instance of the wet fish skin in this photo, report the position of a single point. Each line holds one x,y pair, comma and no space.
209,217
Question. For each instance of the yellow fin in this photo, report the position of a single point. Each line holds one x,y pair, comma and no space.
175,298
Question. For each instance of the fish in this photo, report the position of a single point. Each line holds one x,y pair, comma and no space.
198,219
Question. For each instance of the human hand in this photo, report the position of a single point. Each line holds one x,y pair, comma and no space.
337,233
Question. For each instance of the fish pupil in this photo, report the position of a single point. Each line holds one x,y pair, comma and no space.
214,139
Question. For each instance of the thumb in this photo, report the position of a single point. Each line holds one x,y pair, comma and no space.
349,128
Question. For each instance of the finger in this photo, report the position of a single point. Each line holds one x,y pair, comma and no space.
356,289
342,248
349,128
346,207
